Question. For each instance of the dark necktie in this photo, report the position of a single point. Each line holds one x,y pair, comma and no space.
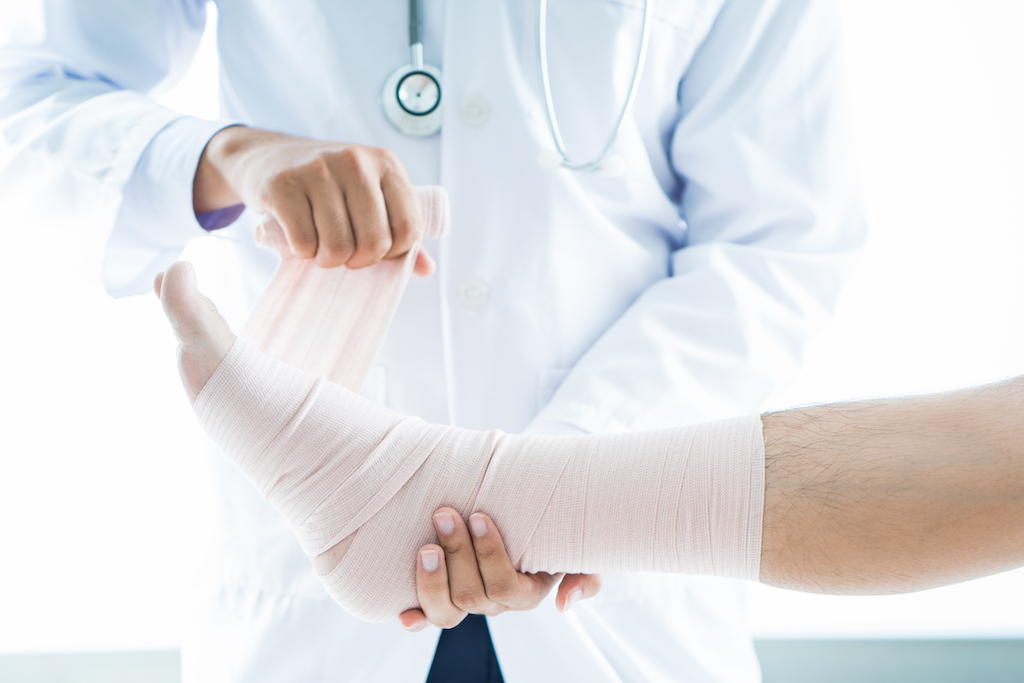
465,654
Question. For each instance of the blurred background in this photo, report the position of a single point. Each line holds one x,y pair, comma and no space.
103,490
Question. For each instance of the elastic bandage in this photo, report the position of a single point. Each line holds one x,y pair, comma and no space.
685,500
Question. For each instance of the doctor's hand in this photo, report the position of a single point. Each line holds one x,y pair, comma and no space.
470,573
340,204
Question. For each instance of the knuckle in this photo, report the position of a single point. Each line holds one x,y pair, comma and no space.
304,244
486,553
339,252
353,158
501,591
282,183
469,600
455,547
378,246
406,231
267,194
433,589
387,160
320,165
340,245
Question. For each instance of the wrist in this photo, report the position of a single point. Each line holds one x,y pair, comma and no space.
211,189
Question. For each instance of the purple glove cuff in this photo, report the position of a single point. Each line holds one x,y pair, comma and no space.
221,218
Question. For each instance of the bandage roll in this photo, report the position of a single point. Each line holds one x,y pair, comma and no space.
331,321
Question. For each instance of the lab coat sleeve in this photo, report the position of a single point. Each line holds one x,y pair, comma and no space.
774,225
76,80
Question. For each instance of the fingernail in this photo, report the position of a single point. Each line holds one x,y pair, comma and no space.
477,525
445,523
417,626
572,598
429,560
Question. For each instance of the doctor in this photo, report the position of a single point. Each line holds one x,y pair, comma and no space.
674,281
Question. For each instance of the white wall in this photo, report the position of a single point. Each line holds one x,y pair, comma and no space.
101,510
103,487
936,91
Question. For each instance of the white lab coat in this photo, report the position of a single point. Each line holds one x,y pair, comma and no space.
564,301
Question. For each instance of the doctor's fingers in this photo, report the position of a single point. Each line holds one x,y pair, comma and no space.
576,587
404,213
413,620
465,585
336,242
289,204
502,583
351,206
359,180
432,592
383,208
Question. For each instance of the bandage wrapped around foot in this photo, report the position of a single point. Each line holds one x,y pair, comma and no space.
685,500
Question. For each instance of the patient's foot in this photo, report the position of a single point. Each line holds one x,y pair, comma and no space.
204,335
205,340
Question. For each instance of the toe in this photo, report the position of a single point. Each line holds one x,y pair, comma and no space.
186,308
204,335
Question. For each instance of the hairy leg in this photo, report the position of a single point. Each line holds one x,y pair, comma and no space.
895,495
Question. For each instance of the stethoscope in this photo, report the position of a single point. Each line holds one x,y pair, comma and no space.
412,94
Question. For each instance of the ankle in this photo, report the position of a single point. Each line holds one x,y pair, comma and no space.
327,561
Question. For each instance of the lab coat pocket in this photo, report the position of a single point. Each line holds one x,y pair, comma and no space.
548,381
375,387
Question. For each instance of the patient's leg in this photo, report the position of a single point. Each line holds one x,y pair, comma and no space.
341,468
880,496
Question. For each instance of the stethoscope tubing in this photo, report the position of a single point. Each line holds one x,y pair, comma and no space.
416,22
556,133
416,65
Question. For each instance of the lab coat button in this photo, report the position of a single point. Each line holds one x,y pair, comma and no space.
475,111
473,293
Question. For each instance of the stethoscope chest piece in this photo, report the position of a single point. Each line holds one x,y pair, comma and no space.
411,99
